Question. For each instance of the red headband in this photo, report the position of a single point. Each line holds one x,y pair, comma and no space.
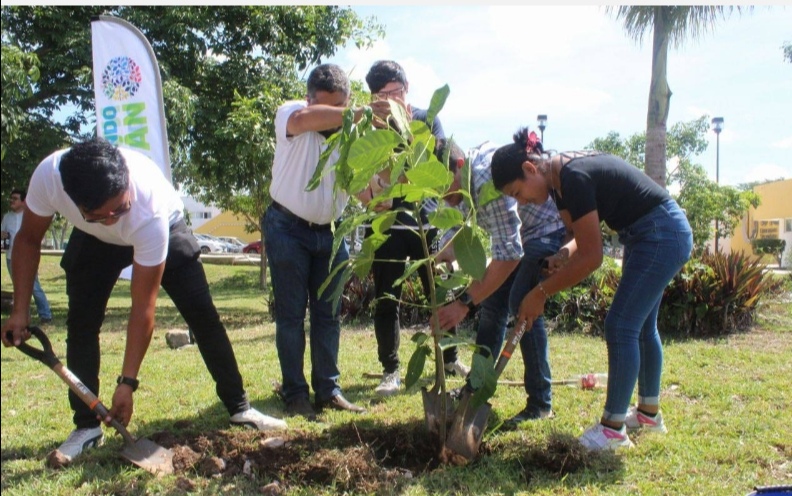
532,143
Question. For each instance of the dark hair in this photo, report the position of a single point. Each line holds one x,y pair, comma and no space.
507,160
327,77
383,72
92,172
449,147
21,192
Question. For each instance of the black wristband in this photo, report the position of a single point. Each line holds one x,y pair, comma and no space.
133,383
467,300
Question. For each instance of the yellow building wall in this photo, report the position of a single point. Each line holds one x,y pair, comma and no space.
228,224
776,205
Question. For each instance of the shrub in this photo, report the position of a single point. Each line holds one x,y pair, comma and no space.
714,295
773,247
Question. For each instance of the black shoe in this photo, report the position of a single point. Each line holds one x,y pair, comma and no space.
527,414
301,405
338,402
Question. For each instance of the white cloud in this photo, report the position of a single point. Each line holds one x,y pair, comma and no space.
764,172
784,143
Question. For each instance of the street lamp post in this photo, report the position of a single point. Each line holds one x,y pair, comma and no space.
717,126
542,120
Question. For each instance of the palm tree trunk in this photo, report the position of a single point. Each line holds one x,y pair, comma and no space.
659,101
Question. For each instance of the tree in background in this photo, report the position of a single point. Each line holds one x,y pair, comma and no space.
702,199
224,71
788,52
670,24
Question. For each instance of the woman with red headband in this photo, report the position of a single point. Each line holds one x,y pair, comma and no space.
589,187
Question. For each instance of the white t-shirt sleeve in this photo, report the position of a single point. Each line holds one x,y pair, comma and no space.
282,118
42,188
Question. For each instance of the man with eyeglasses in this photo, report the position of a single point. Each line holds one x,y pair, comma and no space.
124,211
387,80
12,221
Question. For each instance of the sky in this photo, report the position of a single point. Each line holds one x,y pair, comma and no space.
505,65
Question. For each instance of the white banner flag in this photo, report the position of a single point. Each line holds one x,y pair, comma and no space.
128,88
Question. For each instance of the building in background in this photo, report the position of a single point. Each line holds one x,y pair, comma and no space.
227,224
770,220
198,213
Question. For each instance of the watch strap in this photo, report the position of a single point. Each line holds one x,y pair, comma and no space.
129,381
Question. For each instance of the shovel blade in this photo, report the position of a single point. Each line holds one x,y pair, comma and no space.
433,409
149,456
467,429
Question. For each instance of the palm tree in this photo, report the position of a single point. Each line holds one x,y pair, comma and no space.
670,24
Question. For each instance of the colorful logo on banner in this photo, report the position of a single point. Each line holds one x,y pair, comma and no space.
121,78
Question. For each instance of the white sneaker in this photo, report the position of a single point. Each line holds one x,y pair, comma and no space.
598,437
457,368
256,420
636,420
390,384
80,440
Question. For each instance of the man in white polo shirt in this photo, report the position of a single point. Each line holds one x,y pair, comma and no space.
124,211
299,241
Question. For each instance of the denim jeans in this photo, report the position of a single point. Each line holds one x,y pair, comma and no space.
656,246
388,267
39,297
92,269
299,261
533,345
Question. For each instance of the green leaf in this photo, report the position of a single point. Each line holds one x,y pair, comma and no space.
437,103
488,193
446,218
413,193
483,379
470,253
416,366
430,174
419,338
369,154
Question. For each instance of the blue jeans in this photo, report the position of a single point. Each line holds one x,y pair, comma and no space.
299,261
39,297
494,312
656,246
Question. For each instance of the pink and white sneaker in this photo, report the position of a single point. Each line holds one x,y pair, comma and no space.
598,437
636,420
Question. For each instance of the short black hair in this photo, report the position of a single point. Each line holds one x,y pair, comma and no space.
93,171
21,192
383,72
327,77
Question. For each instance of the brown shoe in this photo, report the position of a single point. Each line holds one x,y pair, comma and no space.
338,402
301,405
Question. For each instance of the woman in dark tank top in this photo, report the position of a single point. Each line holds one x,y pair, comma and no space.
589,187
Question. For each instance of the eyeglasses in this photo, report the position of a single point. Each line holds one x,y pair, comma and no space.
390,94
120,211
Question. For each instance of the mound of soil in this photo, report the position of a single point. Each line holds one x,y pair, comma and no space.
374,458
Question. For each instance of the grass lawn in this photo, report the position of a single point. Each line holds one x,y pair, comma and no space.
726,402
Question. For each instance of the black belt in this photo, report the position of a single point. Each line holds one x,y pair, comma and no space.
288,213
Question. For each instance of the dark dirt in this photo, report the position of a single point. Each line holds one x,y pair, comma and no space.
361,458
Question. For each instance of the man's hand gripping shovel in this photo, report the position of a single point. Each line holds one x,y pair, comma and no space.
142,452
468,425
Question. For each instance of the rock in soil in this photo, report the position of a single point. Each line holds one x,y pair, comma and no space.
57,460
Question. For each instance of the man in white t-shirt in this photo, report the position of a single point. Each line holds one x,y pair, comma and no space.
299,241
12,221
124,211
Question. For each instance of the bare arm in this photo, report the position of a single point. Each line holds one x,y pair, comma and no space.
145,287
25,257
317,117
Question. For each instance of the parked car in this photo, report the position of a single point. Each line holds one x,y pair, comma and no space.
227,247
209,245
234,244
254,247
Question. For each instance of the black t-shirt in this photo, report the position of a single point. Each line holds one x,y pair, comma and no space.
403,217
618,191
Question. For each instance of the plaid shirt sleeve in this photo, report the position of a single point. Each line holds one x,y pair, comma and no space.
499,217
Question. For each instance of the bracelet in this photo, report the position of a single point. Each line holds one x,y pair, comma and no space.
129,381
542,289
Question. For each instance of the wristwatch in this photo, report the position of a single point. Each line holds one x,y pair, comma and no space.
133,383
467,300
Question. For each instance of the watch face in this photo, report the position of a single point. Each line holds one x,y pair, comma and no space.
465,298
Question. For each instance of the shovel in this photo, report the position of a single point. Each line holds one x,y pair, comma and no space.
144,453
467,426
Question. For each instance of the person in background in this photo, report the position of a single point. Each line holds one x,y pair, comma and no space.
11,223
297,227
589,187
541,231
124,211
386,80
